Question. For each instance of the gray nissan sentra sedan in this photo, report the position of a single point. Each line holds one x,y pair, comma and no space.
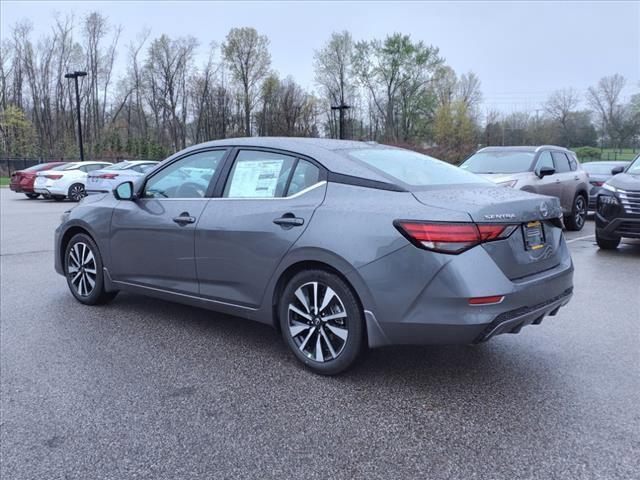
339,245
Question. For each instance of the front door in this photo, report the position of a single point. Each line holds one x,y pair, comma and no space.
549,184
152,237
267,202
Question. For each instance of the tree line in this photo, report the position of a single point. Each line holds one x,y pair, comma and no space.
400,91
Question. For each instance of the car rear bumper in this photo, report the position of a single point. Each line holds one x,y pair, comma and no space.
438,311
51,190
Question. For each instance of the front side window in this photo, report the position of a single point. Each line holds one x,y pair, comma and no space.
545,161
188,177
634,168
257,174
414,168
503,161
562,162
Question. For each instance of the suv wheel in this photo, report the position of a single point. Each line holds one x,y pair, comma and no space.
606,243
83,267
321,321
576,220
76,192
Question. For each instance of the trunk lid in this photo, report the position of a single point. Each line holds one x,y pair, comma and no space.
501,205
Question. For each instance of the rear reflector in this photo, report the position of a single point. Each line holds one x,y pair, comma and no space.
451,237
486,300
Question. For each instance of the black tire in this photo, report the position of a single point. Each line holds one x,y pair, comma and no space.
76,192
32,196
606,243
576,220
337,354
74,260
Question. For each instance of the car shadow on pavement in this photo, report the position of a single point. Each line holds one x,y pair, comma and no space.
254,345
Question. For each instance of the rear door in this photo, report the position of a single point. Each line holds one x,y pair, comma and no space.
152,238
260,211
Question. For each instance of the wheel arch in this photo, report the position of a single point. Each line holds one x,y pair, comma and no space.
315,259
66,237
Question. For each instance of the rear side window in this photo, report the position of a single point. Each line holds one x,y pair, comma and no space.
413,168
573,162
561,162
305,175
258,174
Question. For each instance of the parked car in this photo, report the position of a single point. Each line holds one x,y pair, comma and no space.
22,180
546,169
599,173
66,181
618,207
338,244
106,179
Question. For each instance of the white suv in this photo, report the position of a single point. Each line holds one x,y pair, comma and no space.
67,180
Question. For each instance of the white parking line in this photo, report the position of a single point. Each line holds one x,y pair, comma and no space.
580,238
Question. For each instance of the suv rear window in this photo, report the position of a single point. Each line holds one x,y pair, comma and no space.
504,161
412,168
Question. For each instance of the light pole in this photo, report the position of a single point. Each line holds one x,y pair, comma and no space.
75,76
342,107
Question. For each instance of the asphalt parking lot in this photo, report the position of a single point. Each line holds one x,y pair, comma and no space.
148,389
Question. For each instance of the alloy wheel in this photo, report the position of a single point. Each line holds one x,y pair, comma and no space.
317,321
76,193
82,268
581,211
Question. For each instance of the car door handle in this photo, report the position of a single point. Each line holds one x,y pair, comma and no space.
184,219
576,178
288,220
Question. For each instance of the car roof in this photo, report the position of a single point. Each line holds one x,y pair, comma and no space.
523,148
608,162
329,152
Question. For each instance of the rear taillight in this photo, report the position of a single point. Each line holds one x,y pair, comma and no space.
109,176
53,177
451,237
596,184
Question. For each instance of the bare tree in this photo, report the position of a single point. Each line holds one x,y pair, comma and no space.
560,106
605,99
248,59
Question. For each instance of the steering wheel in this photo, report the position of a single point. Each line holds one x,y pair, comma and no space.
190,190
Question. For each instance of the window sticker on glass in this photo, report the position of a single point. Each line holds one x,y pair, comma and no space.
255,178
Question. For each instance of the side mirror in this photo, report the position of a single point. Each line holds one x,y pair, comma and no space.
617,170
544,171
124,191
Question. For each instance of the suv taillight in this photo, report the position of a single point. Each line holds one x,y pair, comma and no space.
451,237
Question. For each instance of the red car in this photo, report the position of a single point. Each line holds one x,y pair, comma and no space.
22,180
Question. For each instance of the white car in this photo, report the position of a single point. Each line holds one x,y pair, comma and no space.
66,180
106,179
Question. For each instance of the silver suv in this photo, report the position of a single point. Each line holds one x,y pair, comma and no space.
548,170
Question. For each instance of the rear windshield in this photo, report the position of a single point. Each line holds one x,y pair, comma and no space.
40,166
412,168
66,166
601,168
499,162
119,166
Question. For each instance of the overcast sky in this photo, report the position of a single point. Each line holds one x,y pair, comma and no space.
521,51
